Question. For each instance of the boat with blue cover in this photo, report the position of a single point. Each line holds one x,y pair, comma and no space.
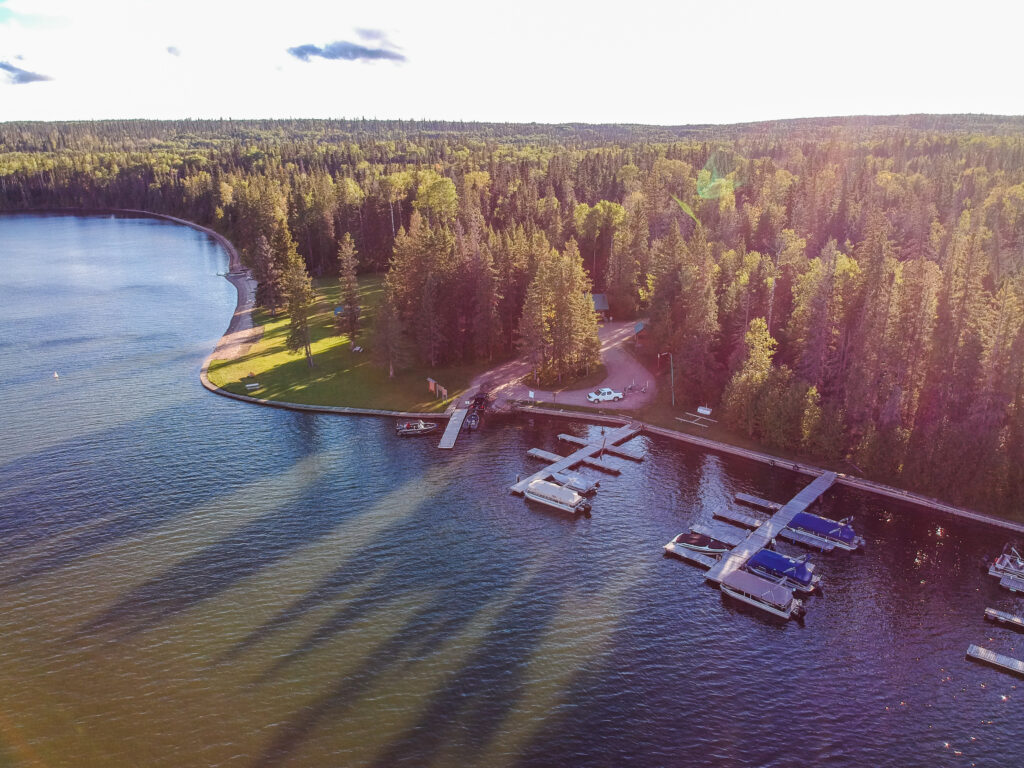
839,534
795,574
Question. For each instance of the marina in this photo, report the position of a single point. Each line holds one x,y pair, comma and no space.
997,660
590,454
1004,618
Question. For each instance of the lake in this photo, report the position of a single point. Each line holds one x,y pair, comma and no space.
186,580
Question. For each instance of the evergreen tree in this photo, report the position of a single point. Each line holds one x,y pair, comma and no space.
348,320
299,297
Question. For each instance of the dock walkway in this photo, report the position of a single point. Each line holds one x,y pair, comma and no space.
996,659
451,432
1007,619
615,450
1012,583
761,536
587,454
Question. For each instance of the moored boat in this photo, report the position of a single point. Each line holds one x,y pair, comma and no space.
839,534
795,574
582,485
413,428
698,542
557,497
769,596
1009,563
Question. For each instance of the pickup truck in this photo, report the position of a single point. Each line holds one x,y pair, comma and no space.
603,395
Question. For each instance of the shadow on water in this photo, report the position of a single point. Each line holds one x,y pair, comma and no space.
239,555
513,635
58,516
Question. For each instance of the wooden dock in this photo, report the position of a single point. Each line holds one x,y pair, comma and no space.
697,558
616,450
757,502
1004,618
761,536
737,517
598,462
451,432
588,454
996,659
1012,583
729,536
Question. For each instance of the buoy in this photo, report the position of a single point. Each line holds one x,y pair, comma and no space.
55,375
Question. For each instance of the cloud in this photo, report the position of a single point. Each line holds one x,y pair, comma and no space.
174,50
18,76
341,49
371,34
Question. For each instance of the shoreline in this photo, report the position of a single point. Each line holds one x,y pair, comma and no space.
860,484
241,324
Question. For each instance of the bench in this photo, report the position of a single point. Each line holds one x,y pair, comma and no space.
252,386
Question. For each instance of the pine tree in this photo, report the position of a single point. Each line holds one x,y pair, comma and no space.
347,260
269,290
299,297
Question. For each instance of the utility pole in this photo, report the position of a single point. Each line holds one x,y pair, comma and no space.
672,374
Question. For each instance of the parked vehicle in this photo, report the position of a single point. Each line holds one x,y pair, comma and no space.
603,395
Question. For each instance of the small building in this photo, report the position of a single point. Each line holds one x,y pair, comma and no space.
601,304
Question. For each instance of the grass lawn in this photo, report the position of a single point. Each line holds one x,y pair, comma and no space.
585,381
339,376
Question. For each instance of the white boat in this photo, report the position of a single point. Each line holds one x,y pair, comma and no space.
557,497
578,483
413,428
1009,563
761,593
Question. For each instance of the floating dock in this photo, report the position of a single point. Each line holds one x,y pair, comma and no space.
729,536
1012,583
598,462
996,659
451,432
757,502
616,450
590,454
1007,619
787,534
697,558
761,536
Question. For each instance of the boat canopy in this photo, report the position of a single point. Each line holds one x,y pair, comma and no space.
823,527
555,493
753,586
773,562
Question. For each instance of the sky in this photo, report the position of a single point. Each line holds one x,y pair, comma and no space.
667,63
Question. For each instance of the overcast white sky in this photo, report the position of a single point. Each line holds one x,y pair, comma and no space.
673,62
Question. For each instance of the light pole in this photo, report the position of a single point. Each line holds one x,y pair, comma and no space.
672,374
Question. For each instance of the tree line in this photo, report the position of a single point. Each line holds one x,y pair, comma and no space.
852,289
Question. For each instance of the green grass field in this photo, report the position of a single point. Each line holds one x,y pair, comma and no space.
339,376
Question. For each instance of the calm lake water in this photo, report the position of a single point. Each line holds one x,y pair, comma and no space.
191,581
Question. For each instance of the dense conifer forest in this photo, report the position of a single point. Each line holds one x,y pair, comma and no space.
849,288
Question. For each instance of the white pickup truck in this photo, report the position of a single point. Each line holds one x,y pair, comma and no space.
603,395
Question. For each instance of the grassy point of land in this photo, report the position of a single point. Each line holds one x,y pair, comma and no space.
340,376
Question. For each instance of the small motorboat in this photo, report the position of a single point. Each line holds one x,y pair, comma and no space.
413,428
473,419
698,542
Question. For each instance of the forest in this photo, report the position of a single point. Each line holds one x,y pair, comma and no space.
849,288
